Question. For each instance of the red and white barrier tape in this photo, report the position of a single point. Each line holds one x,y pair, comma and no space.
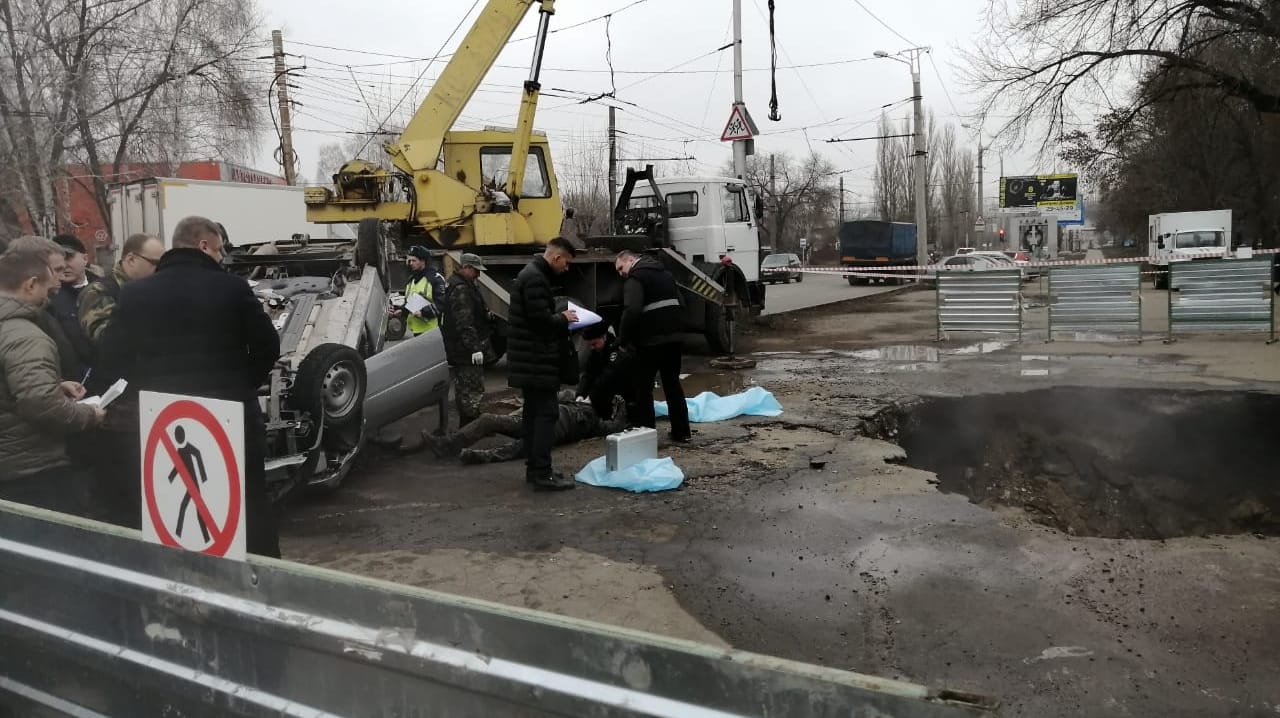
895,270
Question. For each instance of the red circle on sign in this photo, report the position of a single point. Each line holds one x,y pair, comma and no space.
192,411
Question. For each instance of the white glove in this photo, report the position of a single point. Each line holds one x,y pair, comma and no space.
583,400
477,358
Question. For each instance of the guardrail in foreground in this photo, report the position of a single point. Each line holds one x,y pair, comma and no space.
1222,295
985,301
1098,298
94,622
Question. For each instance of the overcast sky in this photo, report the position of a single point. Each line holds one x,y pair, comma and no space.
677,113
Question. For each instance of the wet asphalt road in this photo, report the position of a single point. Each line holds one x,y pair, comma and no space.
816,290
801,537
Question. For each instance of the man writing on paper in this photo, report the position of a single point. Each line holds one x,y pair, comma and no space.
537,350
38,410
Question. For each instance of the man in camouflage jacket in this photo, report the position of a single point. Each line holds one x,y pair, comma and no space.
576,421
138,259
466,329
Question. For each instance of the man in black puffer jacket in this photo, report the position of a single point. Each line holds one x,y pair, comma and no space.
537,350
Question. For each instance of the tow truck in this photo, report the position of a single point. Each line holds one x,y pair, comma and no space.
494,192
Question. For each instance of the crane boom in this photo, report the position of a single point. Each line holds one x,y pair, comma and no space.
419,145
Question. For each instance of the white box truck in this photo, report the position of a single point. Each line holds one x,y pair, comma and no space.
252,213
1186,236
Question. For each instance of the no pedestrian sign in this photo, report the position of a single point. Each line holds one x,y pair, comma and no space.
193,473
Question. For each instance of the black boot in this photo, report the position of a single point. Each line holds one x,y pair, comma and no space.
555,482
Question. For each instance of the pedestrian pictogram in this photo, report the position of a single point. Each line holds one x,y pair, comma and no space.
739,126
193,473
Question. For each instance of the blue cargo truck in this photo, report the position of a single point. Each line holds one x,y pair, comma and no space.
872,244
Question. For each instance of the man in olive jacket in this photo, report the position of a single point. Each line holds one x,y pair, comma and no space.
464,322
537,350
38,410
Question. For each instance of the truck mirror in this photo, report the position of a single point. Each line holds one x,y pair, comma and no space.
1160,242
760,208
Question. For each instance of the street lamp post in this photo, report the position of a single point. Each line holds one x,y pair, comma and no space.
921,182
981,149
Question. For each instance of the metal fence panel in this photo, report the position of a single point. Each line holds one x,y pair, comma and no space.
94,622
1216,295
1104,298
983,301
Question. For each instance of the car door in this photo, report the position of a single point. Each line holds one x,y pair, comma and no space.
741,242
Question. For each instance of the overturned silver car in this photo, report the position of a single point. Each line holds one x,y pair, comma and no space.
338,381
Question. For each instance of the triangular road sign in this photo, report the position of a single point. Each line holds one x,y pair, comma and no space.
739,126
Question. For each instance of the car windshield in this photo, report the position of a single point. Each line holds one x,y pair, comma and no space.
1194,240
775,260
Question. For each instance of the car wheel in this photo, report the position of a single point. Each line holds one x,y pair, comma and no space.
853,281
799,277
332,382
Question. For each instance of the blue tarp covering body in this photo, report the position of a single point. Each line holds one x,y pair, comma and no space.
756,401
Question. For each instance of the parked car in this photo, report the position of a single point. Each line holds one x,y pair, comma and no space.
780,268
966,263
1004,259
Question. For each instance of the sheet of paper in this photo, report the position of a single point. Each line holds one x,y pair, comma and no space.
415,303
586,317
111,394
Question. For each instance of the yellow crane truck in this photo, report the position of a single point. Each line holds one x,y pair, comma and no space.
456,191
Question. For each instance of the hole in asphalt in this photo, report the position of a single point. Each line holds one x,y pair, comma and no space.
1114,463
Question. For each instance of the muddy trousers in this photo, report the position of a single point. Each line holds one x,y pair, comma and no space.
541,410
663,361
468,391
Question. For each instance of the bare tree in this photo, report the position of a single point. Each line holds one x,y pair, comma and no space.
800,195
1052,55
105,83
892,177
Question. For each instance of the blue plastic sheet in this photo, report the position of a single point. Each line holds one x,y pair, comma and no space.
756,401
648,475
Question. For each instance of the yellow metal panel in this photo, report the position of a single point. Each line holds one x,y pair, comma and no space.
338,212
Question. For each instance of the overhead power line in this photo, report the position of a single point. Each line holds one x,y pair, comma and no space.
886,25
404,59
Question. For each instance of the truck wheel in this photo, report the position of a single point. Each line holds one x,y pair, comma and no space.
1162,280
720,330
332,382
371,249
853,281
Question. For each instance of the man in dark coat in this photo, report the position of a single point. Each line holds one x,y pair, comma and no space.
464,323
650,328
192,328
537,350
604,371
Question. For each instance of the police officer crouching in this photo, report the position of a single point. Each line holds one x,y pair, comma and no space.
650,327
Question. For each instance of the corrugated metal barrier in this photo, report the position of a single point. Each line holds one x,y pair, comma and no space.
1104,298
94,622
984,301
1217,295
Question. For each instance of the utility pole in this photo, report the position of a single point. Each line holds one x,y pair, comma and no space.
921,181
613,163
841,198
739,146
281,83
773,194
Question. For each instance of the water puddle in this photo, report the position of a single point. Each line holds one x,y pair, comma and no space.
722,384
